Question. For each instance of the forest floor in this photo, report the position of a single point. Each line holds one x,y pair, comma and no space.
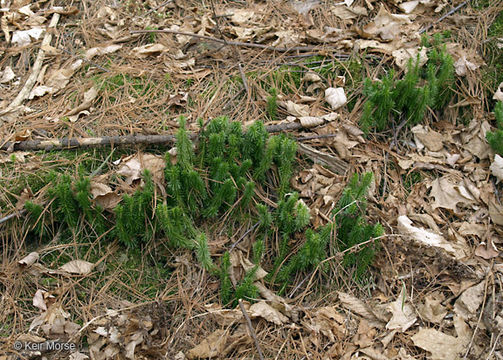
87,69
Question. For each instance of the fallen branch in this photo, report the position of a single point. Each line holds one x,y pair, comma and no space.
68,143
233,43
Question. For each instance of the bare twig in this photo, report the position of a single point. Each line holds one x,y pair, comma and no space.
243,77
158,7
244,235
252,331
449,13
316,137
37,66
10,216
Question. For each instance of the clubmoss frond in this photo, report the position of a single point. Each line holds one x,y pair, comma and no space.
203,252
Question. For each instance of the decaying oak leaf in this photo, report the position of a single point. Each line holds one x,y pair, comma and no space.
133,166
440,345
427,137
470,300
210,347
310,121
6,75
498,95
387,26
432,309
101,50
495,211
403,55
448,194
327,321
359,307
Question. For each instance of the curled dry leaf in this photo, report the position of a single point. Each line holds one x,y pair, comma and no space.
104,196
497,167
498,95
79,267
297,110
495,211
7,75
101,50
149,50
24,37
356,305
39,300
487,250
335,97
29,259
427,237
328,321
310,121
431,139
311,76
470,300
267,312
402,56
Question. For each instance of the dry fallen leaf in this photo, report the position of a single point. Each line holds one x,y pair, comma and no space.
39,300
448,194
427,137
7,75
354,304
133,167
498,95
310,121
80,267
487,250
427,237
440,345
497,168
149,50
210,347
387,26
470,300
403,315
335,97
495,210
101,50
432,310
29,259
267,312
297,110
